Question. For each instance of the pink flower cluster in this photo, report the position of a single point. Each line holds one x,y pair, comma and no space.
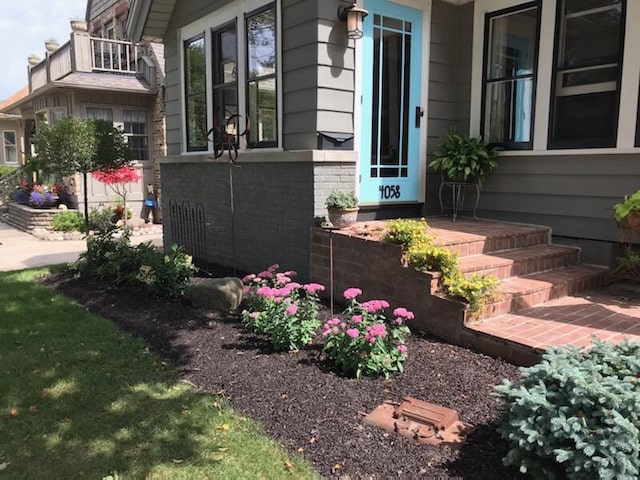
375,331
351,293
402,349
272,293
292,310
312,288
333,326
373,306
402,314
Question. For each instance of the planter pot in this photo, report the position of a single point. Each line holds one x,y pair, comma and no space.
79,25
34,60
51,46
631,222
342,218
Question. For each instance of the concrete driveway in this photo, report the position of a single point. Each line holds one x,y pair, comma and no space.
19,250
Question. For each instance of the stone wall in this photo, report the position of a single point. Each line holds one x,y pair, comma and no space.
27,219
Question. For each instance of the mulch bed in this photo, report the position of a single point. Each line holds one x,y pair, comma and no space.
306,407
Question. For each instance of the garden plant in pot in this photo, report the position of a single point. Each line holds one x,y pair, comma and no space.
342,208
627,213
463,159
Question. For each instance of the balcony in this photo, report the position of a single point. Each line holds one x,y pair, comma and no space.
92,55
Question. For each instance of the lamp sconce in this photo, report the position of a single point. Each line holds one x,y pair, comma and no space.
353,15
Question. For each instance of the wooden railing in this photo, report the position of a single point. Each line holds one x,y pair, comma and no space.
114,56
60,62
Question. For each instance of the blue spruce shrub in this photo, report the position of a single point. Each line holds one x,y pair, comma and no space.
576,414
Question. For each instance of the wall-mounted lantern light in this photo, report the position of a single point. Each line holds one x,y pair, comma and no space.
353,15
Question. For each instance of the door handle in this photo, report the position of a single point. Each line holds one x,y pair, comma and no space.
419,115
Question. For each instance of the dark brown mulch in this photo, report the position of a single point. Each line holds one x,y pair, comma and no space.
302,404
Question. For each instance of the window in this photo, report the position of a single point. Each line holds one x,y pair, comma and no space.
57,115
511,46
10,144
195,94
94,113
587,71
261,78
135,129
225,74
230,64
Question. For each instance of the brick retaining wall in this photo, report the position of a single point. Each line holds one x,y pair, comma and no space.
27,219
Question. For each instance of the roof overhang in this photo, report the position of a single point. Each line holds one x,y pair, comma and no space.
149,19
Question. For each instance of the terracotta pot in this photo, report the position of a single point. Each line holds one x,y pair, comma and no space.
631,222
342,218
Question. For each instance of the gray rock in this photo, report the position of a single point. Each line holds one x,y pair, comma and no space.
221,294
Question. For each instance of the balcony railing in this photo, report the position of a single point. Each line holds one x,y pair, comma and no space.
91,54
114,56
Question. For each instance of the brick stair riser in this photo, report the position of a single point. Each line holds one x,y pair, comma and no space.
521,301
526,266
497,244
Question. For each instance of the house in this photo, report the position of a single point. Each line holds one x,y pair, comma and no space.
12,151
99,74
555,83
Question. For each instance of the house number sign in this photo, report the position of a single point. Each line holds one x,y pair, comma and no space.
389,191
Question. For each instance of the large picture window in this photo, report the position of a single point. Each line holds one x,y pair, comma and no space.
10,144
587,72
195,94
511,46
261,78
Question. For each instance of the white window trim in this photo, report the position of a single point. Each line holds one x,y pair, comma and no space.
629,85
234,11
5,146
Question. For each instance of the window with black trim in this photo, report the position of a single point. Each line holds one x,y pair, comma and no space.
261,93
195,94
511,57
587,71
225,74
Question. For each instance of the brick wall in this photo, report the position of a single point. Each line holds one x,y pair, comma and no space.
275,204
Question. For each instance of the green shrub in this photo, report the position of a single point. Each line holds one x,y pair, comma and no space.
576,414
166,275
101,219
422,253
6,169
68,221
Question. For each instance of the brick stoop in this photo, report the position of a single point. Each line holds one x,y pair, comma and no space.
531,269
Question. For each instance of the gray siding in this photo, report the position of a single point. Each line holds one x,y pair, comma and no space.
449,81
573,194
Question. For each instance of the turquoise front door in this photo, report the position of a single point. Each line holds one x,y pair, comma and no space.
391,111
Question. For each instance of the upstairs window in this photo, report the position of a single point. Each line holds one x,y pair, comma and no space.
587,71
195,94
511,50
135,129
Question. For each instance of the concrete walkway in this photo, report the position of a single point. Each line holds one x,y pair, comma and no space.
19,250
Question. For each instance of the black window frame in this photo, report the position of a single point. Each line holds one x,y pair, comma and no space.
247,80
637,142
215,55
187,95
487,23
587,143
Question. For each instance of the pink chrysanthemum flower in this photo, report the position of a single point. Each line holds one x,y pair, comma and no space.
351,293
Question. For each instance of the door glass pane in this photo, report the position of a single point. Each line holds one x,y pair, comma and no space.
392,52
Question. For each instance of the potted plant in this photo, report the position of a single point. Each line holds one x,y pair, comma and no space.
33,60
342,208
78,24
627,213
463,159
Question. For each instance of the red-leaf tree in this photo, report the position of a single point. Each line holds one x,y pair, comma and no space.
117,179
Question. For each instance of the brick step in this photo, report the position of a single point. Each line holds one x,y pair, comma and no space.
520,261
469,238
518,293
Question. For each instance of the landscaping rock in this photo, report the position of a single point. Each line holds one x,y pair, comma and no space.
220,294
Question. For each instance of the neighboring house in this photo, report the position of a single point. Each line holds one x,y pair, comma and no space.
99,74
12,151
554,82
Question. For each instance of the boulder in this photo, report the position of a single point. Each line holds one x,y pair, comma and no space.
221,294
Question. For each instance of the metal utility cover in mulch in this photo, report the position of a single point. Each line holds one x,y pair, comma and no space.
420,421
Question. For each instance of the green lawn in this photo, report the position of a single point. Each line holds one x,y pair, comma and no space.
79,398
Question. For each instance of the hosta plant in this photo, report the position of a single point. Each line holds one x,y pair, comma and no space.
576,414
284,310
364,342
